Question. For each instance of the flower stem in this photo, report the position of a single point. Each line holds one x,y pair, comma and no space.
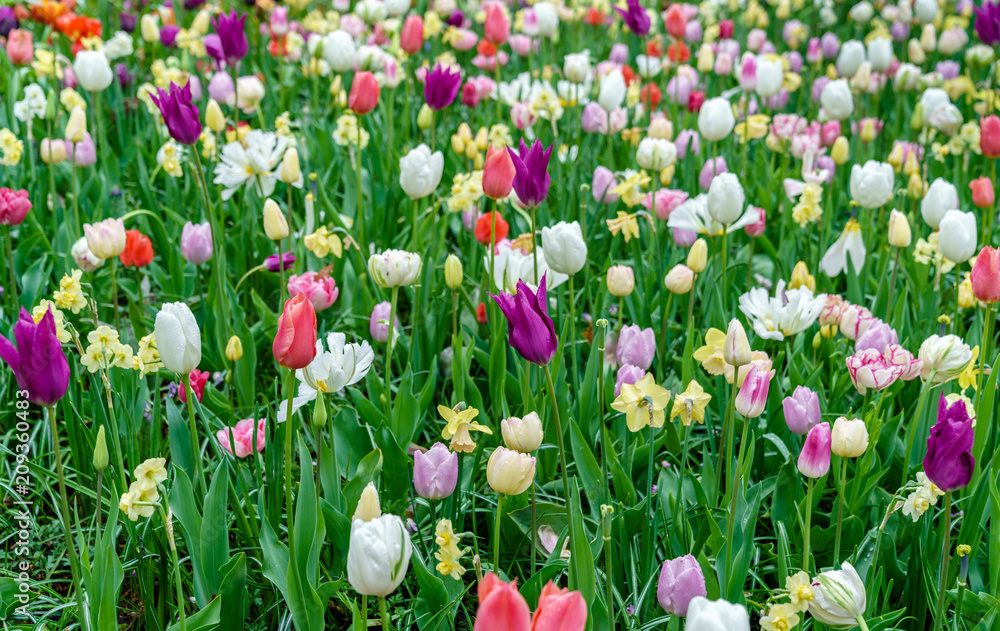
64,505
360,210
572,336
808,525
388,355
177,568
13,274
384,613
939,610
288,458
496,535
218,253
840,510
192,424
559,434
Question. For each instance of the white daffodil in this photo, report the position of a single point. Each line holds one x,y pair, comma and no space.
252,163
786,313
850,243
693,216
331,371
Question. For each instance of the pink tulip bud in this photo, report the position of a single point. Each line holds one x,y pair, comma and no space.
814,461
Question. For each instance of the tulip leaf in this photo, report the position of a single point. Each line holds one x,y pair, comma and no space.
396,469
367,470
182,504
180,441
984,414
206,618
586,464
233,593
215,529
582,572
432,607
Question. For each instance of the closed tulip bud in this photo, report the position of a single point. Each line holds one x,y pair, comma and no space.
957,236
697,256
716,615
915,186
565,249
234,349
178,338
839,598
522,434
989,136
986,275
752,396
275,226
106,239
364,93
915,52
621,280
378,555
294,344
453,273
899,230
148,29
53,151
420,172
51,105
92,70
498,173
814,460
510,472
726,198
369,507
394,268
319,415
214,118
849,437
425,118
100,451
736,352
840,151
681,580
662,129
76,127
435,472
801,277
917,118
982,192
679,279
290,171
801,410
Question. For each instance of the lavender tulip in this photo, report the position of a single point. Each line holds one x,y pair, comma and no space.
627,374
877,336
229,43
529,328
814,460
180,114
949,462
196,242
435,472
531,179
636,346
681,579
801,410
635,17
38,361
441,87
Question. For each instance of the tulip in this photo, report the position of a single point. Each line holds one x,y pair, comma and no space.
814,460
559,610
76,126
676,21
530,330
83,257
196,242
849,438
378,555
576,67
229,43
420,171
635,17
138,250
878,336
697,256
510,472
836,99
604,181
497,27
38,362
243,437
378,322
14,206
850,58
522,434
501,607
291,172
899,229
716,120
770,75
612,91
234,348
53,150
180,115
275,225
92,70
339,50
655,154
679,280
364,93
411,38
394,268
320,289
531,167
491,228
453,273
20,47
982,192
621,280
802,411
949,462
736,351
178,338
441,87
681,580
941,197
943,356
294,343
636,346
989,136
872,184
106,239
716,615
435,472
498,173
752,395
957,236
839,597
726,198
985,275
564,247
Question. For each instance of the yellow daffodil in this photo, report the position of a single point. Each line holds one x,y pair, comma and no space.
643,403
968,377
458,427
625,223
690,405
755,126
710,355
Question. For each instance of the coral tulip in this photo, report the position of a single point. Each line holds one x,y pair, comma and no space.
364,93
986,275
294,344
498,173
138,250
559,610
982,192
501,607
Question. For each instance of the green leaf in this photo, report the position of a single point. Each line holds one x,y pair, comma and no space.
432,607
183,506
582,572
587,465
215,529
233,593
206,619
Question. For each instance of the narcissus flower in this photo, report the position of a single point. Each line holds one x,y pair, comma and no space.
690,405
643,403
459,424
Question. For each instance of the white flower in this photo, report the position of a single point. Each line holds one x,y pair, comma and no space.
872,184
918,502
371,11
612,92
92,70
394,268
546,19
249,93
511,265
880,54
726,198
32,105
655,154
836,99
770,74
850,58
838,597
576,67
849,244
941,197
565,249
178,339
120,45
331,371
957,237
786,313
945,356
693,215
378,555
716,120
339,51
420,171
716,615
252,165
648,66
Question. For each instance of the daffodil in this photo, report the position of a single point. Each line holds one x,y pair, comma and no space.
969,376
151,473
800,592
780,617
710,355
630,188
459,425
626,224
690,405
643,403
755,127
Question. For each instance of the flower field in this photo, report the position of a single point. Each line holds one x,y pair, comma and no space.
493,316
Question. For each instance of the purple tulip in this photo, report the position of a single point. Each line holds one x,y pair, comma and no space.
378,322
949,462
635,17
180,114
124,76
455,19
899,31
38,361
221,87
594,119
230,41
627,374
683,238
196,242
877,336
530,330
435,472
441,87
687,139
829,44
681,579
8,20
531,178
83,153
604,181
988,23
801,410
814,461
271,262
127,21
636,346
709,170
168,35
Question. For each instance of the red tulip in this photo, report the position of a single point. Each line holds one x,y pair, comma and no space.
498,173
481,313
484,225
986,275
651,92
470,95
678,52
726,29
364,93
138,250
295,342
675,21
497,25
989,136
501,607
695,101
411,39
20,47
982,192
559,610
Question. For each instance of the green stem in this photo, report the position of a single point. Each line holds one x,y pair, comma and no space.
218,255
608,565
384,613
572,336
193,425
496,534
840,510
939,610
360,210
725,259
388,354
114,295
64,504
559,434
808,524
177,570
288,458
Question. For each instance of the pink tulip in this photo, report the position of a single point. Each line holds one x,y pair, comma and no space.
321,290
814,461
501,606
559,610
752,396
14,206
243,435
666,201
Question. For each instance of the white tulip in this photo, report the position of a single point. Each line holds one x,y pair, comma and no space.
546,18
178,339
907,77
852,53
957,236
576,67
770,74
339,50
941,197
565,249
836,99
612,93
925,10
648,66
716,615
946,356
716,120
371,11
880,54
378,556
420,171
394,268
838,597
862,12
92,70
118,46
726,198
931,100
397,8
655,154
872,184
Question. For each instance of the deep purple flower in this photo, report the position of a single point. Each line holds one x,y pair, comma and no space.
127,22
455,19
949,462
531,178
441,87
271,262
124,76
529,328
179,113
635,17
8,21
988,23
191,5
168,35
230,41
38,361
